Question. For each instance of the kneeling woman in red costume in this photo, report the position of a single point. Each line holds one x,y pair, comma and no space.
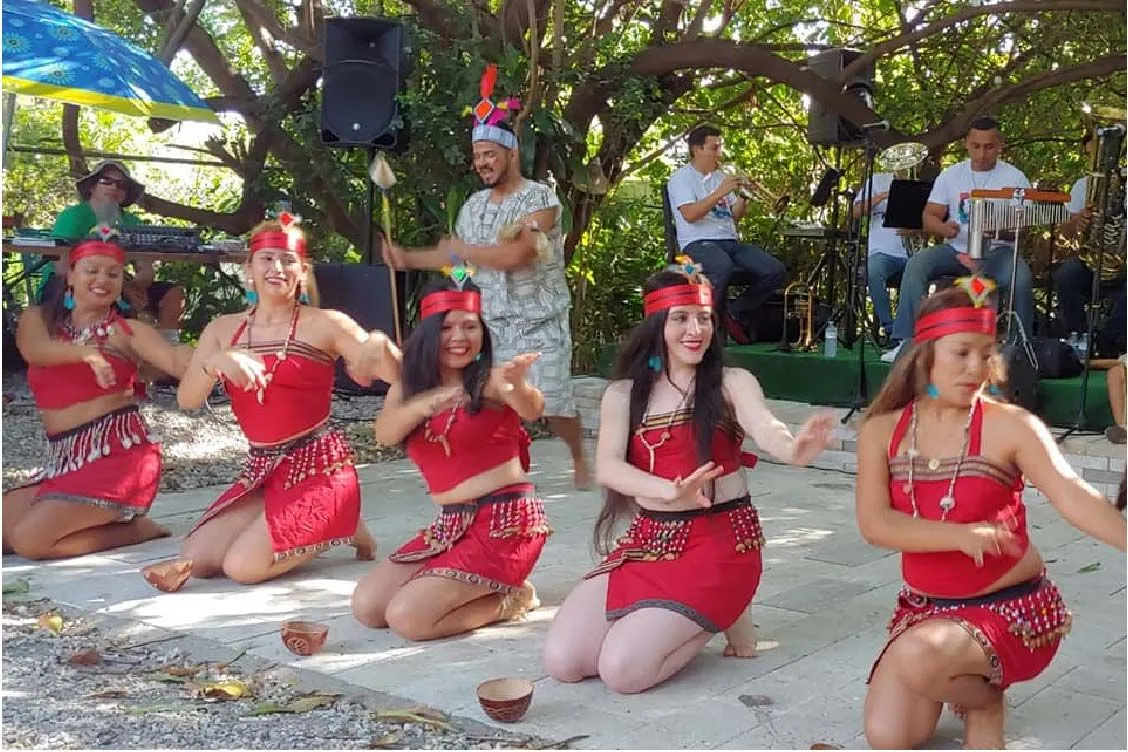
459,418
940,468
103,464
672,423
298,493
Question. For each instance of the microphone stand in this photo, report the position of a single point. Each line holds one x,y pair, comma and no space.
861,397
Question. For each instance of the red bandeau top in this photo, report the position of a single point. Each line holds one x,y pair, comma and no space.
296,400
672,439
984,492
478,442
61,386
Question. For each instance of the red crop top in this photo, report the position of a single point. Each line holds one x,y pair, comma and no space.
477,442
984,492
671,439
60,386
296,400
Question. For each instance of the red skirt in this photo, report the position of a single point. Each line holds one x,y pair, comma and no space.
113,462
493,541
704,564
1019,628
310,488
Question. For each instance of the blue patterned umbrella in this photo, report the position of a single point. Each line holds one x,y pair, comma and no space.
53,54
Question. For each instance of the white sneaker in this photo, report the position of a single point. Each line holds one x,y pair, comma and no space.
891,355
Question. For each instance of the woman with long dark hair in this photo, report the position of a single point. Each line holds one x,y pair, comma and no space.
672,423
459,419
940,469
298,493
103,463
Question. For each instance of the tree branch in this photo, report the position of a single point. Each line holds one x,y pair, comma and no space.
179,30
519,16
265,44
958,124
265,18
972,11
439,18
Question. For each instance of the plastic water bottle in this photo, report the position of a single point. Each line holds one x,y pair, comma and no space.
1083,346
830,346
1074,342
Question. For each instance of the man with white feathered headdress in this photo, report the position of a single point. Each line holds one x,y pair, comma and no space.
510,232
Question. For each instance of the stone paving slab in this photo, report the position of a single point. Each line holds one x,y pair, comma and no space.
821,610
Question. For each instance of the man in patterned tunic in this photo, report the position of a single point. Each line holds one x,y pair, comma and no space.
502,231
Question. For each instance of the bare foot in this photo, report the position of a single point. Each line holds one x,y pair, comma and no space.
148,530
581,476
741,639
168,576
520,602
983,728
364,544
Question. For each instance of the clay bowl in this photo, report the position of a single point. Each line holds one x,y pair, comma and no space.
505,700
168,576
303,637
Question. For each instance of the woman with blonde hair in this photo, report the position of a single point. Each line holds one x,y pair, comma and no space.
298,493
940,478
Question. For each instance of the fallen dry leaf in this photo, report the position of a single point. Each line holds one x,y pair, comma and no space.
182,670
88,657
308,703
231,689
107,693
51,621
823,745
387,741
17,587
753,701
425,716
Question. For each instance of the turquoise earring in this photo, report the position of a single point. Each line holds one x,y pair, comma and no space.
932,391
654,362
478,357
251,296
994,390
68,300
303,298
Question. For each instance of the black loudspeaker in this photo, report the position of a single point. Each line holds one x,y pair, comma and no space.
366,67
363,292
824,126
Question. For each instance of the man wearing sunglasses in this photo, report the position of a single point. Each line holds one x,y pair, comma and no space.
104,194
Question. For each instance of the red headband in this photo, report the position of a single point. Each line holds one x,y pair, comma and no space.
96,248
955,321
450,300
287,241
677,295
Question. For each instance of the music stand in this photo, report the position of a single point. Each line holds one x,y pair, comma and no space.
904,208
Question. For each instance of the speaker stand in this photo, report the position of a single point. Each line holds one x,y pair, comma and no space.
369,204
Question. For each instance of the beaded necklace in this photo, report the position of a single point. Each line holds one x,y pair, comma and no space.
441,439
98,332
948,500
261,393
665,435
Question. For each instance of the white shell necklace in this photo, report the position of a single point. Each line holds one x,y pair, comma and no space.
948,500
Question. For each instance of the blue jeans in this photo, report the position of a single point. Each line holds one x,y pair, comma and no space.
728,261
939,261
882,267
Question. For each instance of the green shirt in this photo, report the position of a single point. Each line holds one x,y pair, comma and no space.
75,223
77,220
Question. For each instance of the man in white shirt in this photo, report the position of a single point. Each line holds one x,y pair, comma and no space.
946,215
706,208
887,253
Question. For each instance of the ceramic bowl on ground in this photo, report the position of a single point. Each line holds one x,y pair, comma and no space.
303,637
168,576
506,700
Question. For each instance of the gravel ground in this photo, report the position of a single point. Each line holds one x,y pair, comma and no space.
201,448
69,684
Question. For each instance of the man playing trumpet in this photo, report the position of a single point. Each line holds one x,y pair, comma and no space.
707,204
